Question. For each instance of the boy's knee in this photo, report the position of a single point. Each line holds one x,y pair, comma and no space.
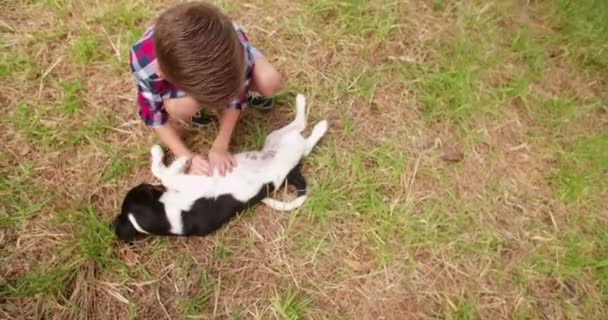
182,108
270,82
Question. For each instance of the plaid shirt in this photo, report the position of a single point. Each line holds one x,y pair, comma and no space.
152,89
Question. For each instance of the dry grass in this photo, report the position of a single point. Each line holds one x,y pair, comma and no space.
514,230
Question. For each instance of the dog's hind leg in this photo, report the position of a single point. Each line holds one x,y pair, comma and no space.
298,124
317,133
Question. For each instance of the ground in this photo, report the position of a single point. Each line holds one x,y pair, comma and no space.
464,175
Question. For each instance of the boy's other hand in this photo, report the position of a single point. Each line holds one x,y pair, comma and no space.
199,166
222,160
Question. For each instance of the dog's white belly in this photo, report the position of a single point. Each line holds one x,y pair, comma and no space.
253,170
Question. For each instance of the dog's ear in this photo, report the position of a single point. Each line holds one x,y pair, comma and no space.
124,229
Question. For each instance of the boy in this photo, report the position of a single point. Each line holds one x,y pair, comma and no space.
194,56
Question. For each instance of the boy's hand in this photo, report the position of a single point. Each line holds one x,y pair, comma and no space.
199,166
221,159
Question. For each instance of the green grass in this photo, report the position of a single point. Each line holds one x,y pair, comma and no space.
20,198
289,306
585,25
360,19
516,229
72,96
16,64
464,311
117,168
87,48
45,282
96,240
194,306
582,175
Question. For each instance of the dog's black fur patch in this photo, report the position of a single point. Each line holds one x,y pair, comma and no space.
204,217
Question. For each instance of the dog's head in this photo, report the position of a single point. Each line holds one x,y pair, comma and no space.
143,205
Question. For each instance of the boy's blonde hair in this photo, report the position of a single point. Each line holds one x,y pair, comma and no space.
198,50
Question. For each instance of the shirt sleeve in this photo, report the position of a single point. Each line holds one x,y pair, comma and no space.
151,109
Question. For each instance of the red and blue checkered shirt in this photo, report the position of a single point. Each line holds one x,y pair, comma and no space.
152,89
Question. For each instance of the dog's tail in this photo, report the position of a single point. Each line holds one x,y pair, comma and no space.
296,179
283,205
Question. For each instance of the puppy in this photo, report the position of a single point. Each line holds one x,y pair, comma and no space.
193,205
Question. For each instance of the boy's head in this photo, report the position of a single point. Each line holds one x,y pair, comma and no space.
198,50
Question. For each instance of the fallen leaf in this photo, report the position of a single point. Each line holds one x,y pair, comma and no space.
358,266
452,155
25,149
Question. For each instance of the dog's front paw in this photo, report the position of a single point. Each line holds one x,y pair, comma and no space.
156,152
180,165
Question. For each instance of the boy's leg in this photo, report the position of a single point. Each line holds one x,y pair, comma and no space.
181,108
266,79
187,110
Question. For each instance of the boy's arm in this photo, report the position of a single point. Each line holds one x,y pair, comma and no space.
171,138
168,134
230,117
219,155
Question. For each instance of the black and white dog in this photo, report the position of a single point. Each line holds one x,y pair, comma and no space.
193,205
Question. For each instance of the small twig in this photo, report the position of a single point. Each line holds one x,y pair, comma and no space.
116,50
161,304
217,295
45,74
553,220
352,84
7,26
413,177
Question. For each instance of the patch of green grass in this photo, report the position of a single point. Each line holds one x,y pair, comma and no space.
93,129
72,96
120,164
523,312
96,239
132,312
360,82
53,126
125,20
584,24
195,306
27,119
349,124
576,254
529,49
59,7
289,306
118,167
18,197
583,171
461,86
556,113
464,311
47,282
259,136
453,90
226,6
49,37
319,203
307,242
14,63
87,48
221,251
357,18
